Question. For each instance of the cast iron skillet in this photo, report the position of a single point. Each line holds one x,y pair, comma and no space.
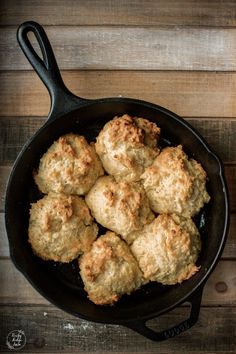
61,284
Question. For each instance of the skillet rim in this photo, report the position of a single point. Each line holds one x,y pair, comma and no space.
84,103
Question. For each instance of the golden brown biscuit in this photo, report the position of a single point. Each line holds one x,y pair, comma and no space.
167,249
70,166
122,207
61,227
175,184
109,270
126,146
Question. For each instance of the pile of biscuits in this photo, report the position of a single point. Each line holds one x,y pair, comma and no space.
143,195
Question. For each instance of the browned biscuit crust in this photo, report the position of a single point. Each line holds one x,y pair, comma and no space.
167,249
175,184
70,166
109,270
122,207
61,227
126,146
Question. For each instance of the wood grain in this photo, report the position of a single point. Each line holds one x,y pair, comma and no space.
4,174
15,131
49,330
130,48
220,135
189,94
15,288
14,134
230,173
4,245
122,12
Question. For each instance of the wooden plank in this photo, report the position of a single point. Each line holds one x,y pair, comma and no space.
111,12
12,280
130,48
49,330
4,174
189,94
14,133
229,251
97,352
4,245
220,134
220,288
230,174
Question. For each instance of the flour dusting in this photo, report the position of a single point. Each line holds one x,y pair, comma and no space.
68,327
85,325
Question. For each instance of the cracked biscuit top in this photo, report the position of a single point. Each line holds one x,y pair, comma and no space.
61,227
70,166
167,249
175,184
126,146
122,207
109,270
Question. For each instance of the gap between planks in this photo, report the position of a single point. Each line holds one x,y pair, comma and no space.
132,26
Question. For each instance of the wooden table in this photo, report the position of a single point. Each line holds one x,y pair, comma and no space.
179,54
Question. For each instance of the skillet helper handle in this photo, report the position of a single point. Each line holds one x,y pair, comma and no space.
62,99
141,328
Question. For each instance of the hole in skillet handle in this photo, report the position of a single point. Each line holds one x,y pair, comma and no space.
194,299
62,100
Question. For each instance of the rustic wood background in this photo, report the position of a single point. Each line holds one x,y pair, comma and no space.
180,54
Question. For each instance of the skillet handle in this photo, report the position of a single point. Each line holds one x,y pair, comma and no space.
62,100
141,328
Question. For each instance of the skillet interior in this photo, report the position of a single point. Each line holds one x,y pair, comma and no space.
61,283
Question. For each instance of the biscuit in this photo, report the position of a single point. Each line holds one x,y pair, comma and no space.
122,207
167,249
109,270
174,184
126,146
61,227
70,166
